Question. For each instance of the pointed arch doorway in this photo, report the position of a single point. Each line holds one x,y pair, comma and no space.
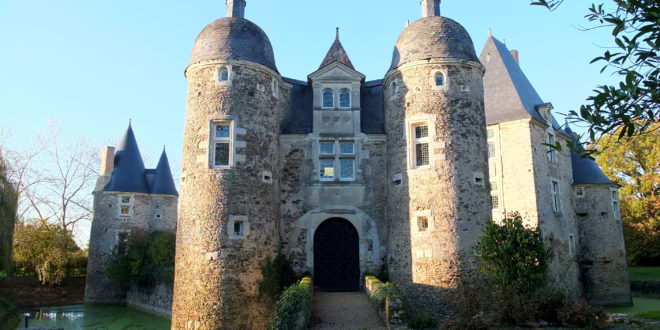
336,256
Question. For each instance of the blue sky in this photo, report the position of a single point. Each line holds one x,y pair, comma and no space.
93,65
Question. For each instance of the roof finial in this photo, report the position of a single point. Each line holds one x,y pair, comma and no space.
337,33
490,32
235,8
407,22
430,8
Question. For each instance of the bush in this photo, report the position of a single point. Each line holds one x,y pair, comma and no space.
381,291
581,315
147,260
472,302
421,321
514,255
293,308
277,275
47,251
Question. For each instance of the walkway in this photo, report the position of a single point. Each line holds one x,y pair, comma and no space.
343,310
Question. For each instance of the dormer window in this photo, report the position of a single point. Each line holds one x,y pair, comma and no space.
439,79
345,99
328,99
223,74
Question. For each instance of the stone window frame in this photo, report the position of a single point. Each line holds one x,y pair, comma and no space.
242,220
580,192
445,75
616,206
129,205
323,106
350,98
218,74
418,216
551,140
229,140
337,156
274,86
413,141
555,195
492,150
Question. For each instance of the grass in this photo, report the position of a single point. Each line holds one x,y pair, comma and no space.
651,315
644,273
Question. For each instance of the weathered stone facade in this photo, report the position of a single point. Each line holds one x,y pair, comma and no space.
413,165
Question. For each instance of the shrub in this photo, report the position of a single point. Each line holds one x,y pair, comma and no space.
421,320
581,315
47,251
381,291
293,308
147,260
277,275
472,302
514,255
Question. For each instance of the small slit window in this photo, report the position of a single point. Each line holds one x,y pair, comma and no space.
345,99
422,223
579,192
439,79
328,99
556,201
552,156
615,204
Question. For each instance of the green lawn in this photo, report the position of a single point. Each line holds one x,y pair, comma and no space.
644,273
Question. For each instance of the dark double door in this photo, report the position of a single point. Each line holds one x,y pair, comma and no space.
336,256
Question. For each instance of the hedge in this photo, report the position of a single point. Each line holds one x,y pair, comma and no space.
293,309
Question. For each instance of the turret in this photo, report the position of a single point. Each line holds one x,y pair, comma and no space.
229,205
437,155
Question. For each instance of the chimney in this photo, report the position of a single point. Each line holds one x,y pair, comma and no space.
430,8
107,160
236,8
514,53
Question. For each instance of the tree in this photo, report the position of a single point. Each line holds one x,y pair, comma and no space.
635,165
633,106
54,177
47,250
8,203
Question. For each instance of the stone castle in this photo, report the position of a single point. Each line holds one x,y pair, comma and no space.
347,176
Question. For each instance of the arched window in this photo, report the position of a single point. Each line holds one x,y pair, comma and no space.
328,99
439,79
223,74
345,99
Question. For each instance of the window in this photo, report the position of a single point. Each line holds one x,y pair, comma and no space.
328,99
552,157
579,192
222,145
491,150
238,228
422,223
615,203
330,159
122,242
556,204
491,134
493,186
571,244
125,205
421,145
345,99
495,200
439,79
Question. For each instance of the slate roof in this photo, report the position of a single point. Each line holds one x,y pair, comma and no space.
300,119
585,170
508,94
129,174
233,38
337,53
433,37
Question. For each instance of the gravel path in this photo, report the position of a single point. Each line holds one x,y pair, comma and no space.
343,310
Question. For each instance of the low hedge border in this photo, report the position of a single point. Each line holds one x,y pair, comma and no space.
293,309
377,291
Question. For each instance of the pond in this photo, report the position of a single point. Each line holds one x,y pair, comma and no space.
92,317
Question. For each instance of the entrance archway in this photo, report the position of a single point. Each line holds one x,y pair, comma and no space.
336,256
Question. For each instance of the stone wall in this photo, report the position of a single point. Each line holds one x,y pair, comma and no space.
156,301
451,193
603,259
217,275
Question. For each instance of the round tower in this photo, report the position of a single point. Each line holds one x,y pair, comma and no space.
228,208
439,197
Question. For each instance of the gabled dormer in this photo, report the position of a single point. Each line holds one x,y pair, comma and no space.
336,93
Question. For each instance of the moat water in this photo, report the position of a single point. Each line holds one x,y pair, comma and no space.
92,317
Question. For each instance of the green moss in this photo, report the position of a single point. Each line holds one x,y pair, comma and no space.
644,273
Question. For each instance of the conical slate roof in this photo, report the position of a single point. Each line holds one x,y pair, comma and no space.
337,53
508,94
585,170
129,174
163,183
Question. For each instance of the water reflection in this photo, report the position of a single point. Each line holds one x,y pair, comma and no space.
93,317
